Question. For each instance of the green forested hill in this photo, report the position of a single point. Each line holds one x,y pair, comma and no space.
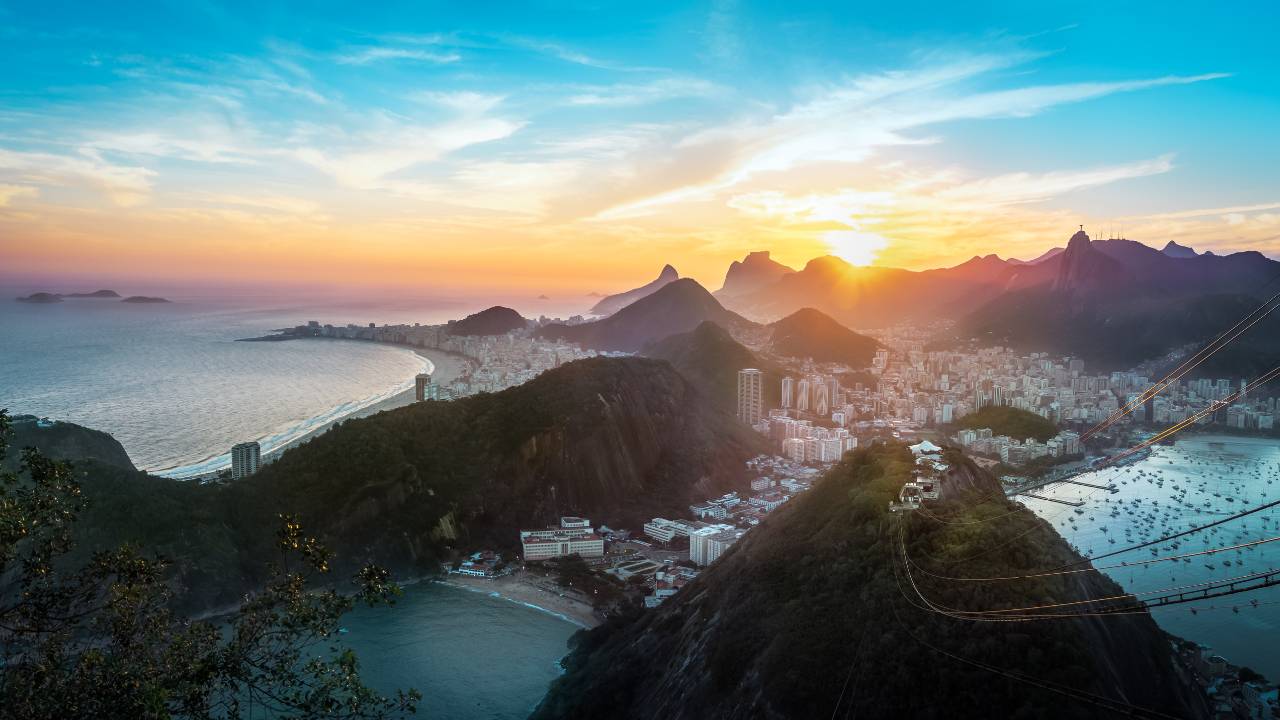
1015,423
811,614
710,358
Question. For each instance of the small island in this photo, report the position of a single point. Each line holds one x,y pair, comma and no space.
40,298
48,297
143,299
94,294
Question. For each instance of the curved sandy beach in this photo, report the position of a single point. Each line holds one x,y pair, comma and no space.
447,367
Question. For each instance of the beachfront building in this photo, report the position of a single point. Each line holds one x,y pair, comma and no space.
246,458
707,544
574,536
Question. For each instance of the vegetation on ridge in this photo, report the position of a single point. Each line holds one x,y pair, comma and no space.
814,602
1010,421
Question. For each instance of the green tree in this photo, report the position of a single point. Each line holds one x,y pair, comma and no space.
99,639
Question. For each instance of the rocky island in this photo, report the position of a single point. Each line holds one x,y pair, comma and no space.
40,298
48,297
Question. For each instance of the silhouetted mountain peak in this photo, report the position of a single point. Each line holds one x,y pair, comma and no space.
812,333
497,320
757,270
677,307
614,303
827,265
1083,268
1174,250
1079,240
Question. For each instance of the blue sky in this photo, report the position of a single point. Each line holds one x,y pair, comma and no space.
581,145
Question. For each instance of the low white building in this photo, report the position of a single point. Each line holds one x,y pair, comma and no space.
573,537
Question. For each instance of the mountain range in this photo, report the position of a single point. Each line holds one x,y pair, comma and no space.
1114,302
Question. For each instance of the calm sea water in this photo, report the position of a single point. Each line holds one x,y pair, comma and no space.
173,386
472,656
1197,481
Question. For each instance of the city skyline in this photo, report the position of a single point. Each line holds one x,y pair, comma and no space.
557,150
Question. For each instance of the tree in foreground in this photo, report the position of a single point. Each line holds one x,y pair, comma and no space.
99,640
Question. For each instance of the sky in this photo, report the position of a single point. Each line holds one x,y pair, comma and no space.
559,148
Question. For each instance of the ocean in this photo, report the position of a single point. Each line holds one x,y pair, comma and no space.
472,656
1198,480
172,385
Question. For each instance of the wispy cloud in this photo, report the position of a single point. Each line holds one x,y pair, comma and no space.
124,184
8,193
461,101
627,94
850,122
373,54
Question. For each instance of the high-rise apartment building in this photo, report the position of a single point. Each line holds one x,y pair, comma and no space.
246,458
421,386
750,395
788,392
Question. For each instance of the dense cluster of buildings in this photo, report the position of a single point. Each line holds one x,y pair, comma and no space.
912,388
496,362
1013,451
930,388
777,480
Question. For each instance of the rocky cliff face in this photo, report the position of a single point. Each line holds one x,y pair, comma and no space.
757,270
66,441
811,615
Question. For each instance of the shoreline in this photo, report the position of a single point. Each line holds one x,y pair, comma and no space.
530,591
445,368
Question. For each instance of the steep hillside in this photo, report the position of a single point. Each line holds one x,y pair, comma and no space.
808,333
710,359
66,441
496,320
757,270
678,307
812,616
613,303
616,440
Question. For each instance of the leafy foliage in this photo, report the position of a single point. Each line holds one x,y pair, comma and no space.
1004,420
99,639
